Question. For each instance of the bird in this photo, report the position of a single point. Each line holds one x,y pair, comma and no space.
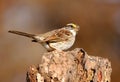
58,39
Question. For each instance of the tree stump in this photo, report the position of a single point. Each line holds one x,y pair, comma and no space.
70,66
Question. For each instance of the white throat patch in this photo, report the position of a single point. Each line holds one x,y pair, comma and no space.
73,32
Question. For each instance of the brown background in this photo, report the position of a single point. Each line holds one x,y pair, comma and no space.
99,34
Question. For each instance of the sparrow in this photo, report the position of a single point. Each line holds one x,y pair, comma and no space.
58,39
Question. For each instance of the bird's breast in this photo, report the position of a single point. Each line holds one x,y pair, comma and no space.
63,45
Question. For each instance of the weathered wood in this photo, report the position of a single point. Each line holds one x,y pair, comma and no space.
70,66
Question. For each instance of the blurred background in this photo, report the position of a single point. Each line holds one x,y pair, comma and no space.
99,34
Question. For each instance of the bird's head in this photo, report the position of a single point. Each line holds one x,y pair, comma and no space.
74,26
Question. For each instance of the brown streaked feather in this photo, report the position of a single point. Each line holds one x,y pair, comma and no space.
59,35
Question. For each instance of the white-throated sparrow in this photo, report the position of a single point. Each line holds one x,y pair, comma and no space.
59,39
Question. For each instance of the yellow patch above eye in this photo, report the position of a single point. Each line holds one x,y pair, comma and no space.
74,25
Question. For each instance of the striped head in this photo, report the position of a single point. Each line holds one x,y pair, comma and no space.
73,26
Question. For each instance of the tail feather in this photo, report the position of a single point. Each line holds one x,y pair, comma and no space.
22,34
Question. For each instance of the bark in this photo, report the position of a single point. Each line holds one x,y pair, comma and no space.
70,66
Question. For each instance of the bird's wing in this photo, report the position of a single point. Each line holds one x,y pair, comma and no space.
57,35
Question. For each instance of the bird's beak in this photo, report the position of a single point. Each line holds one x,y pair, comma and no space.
77,28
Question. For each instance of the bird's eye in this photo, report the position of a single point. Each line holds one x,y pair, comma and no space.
71,25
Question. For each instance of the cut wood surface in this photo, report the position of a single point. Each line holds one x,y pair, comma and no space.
70,66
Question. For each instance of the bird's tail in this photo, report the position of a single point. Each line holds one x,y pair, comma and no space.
23,34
